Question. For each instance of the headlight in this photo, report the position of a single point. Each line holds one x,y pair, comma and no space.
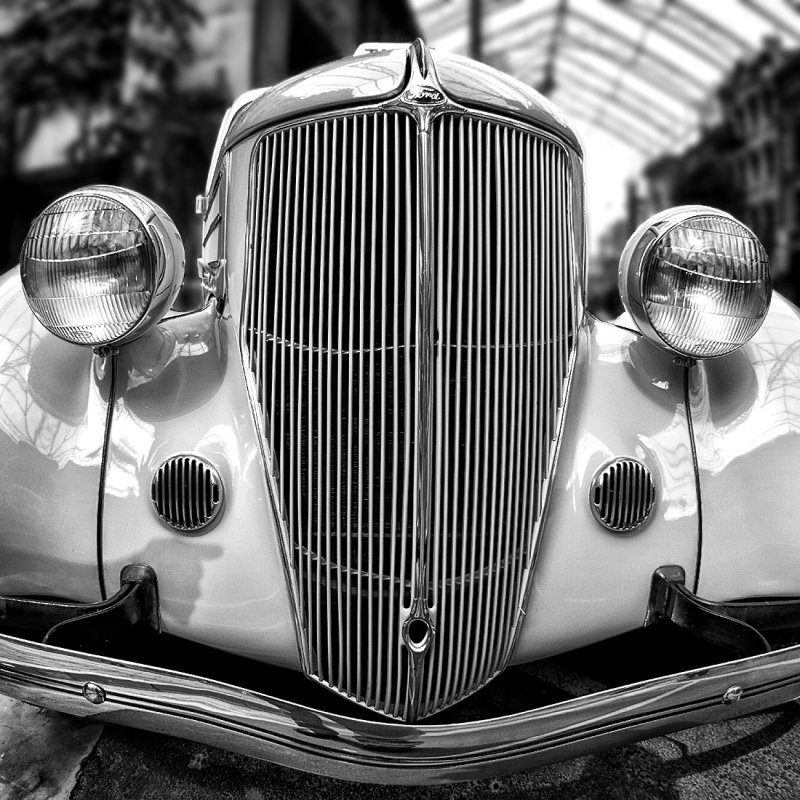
100,265
696,281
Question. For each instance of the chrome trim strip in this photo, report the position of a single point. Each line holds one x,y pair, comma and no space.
304,738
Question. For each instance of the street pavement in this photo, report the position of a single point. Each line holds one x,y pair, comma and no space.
41,752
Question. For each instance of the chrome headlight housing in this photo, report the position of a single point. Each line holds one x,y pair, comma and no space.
101,265
696,281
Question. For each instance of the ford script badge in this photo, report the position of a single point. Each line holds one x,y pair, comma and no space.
424,95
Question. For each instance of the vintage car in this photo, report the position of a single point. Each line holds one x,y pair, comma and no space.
339,515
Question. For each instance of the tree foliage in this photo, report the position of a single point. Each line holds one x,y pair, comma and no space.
60,49
162,130
119,66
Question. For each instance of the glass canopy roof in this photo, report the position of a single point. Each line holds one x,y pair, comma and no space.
636,77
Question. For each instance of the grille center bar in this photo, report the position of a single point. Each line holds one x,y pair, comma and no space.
423,76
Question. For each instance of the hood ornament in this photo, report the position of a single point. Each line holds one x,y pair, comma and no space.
422,88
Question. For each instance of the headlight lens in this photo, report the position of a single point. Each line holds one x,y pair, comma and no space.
696,281
100,265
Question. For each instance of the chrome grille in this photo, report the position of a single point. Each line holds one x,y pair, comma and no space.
504,310
330,325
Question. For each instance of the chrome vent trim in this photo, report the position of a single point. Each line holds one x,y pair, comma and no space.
622,495
187,493
335,298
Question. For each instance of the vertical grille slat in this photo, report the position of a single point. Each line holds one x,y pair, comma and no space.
408,430
393,605
443,294
260,308
501,564
314,437
360,220
526,374
341,599
351,356
479,478
470,234
329,328
303,415
514,334
324,501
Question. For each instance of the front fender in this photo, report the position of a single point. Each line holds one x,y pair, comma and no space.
588,584
181,389
738,539
746,412
51,438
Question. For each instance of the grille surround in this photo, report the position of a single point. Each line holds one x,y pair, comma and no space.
422,554
622,495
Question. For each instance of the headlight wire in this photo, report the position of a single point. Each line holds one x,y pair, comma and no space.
111,354
688,364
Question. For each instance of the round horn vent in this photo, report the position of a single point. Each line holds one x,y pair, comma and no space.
622,495
187,493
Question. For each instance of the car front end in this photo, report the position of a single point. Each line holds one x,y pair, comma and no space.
393,454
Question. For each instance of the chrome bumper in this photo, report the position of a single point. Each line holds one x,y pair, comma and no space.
303,738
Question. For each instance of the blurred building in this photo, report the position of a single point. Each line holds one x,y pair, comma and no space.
787,242
750,101
749,162
260,42
601,291
71,70
703,173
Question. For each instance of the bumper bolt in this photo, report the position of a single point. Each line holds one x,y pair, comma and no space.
94,693
732,695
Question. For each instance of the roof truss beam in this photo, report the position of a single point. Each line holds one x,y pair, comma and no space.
495,47
646,94
653,133
665,26
692,18
457,17
554,43
618,130
779,23
637,106
522,37
632,67
658,78
663,62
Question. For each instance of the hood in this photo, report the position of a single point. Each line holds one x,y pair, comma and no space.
375,77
